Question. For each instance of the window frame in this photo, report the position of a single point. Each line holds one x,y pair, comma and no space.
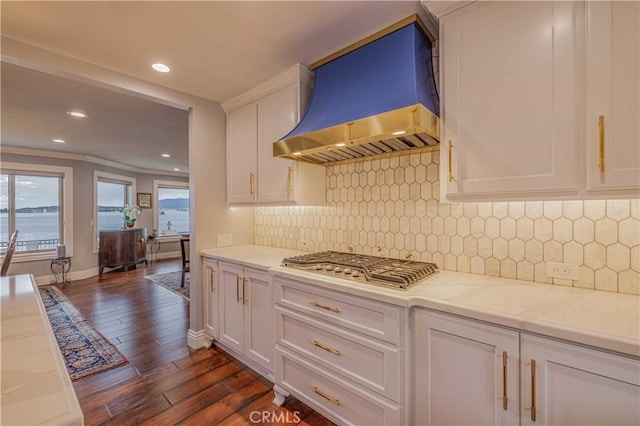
171,184
98,176
65,197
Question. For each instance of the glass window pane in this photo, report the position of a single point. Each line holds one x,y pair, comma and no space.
173,211
4,212
111,199
37,201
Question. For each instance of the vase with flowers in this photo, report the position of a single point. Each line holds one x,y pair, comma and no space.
129,215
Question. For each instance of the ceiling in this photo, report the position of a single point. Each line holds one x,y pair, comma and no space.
216,50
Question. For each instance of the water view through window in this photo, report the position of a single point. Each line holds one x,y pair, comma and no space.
173,211
30,204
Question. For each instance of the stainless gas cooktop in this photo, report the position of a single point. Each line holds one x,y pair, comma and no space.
390,272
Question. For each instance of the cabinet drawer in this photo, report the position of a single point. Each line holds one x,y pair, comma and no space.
369,317
371,364
333,397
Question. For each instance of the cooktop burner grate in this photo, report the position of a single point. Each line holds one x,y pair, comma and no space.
391,272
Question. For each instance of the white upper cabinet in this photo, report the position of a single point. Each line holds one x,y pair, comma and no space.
540,100
613,95
255,120
242,156
509,109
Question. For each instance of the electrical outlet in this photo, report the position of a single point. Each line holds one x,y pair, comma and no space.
565,271
224,240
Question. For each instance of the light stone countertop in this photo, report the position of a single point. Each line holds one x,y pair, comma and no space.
36,388
601,319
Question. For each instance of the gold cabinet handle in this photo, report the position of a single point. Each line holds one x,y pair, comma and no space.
251,180
244,291
238,288
211,287
325,396
451,179
289,183
533,390
504,381
601,143
325,347
320,305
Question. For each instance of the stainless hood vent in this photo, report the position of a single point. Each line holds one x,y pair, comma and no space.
374,97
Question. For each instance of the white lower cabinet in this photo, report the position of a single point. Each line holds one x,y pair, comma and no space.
467,372
341,354
564,384
246,313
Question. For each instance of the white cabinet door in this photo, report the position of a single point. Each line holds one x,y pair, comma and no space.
231,314
509,99
277,115
259,318
210,288
242,156
613,93
463,371
571,385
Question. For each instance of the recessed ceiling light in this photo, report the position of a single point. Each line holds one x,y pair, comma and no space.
77,114
57,140
160,67
166,155
399,132
176,169
341,144
297,154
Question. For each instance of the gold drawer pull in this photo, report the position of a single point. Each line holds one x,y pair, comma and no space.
289,186
328,308
238,288
533,390
326,348
601,143
504,381
325,396
451,179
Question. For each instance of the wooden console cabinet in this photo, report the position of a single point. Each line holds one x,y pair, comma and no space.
125,247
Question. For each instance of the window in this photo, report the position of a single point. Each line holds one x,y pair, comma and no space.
171,209
112,193
37,201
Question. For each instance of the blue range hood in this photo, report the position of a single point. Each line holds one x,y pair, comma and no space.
377,98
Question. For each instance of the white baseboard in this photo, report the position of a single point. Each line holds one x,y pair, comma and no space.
73,276
195,339
168,255
92,272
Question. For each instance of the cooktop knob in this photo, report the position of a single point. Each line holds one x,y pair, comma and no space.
355,274
337,270
328,268
347,271
317,267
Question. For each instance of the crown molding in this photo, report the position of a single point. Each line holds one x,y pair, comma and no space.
85,158
297,73
442,8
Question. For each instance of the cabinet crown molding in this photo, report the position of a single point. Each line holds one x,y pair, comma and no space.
297,73
441,8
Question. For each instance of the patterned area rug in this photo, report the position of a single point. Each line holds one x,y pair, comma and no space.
85,351
171,281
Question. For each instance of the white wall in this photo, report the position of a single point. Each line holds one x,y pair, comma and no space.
207,172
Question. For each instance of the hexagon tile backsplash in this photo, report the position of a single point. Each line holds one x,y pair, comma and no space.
389,207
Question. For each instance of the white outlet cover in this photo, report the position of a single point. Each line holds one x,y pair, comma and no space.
565,271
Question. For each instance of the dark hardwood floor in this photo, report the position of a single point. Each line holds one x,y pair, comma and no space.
166,383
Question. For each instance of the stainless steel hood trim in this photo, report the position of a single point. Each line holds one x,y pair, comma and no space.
370,136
